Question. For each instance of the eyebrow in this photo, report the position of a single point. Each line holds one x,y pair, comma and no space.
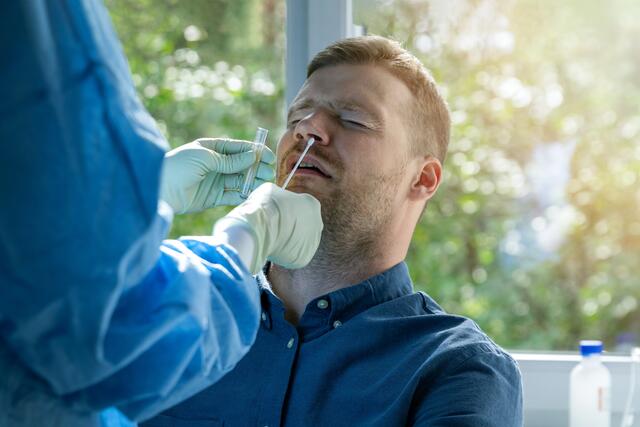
299,105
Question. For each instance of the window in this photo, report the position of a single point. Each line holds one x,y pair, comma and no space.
535,233
206,69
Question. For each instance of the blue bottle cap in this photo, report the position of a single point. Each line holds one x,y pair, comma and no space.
590,347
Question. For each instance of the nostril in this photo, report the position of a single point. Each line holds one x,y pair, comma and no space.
304,138
315,137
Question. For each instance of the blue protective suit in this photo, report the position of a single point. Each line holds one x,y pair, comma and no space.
95,310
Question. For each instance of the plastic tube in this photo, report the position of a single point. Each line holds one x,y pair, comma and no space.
260,141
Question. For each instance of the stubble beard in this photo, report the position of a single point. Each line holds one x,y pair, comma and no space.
355,222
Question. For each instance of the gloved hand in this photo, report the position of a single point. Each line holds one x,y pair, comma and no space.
210,172
286,226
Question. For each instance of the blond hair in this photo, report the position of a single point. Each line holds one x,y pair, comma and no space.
431,114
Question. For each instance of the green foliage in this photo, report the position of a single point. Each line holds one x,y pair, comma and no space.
518,75
206,68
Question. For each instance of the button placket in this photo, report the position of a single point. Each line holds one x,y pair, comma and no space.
266,320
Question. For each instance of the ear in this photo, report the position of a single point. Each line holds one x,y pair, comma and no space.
426,181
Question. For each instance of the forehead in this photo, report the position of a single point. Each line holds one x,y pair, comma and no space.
371,87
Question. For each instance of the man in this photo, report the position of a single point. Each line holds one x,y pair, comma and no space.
346,341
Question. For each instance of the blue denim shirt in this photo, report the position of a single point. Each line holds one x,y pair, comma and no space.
373,354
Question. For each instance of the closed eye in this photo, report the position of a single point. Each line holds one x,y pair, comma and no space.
355,123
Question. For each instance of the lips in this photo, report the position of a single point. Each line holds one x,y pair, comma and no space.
309,166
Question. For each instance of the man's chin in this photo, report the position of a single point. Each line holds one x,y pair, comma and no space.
297,187
304,182
304,186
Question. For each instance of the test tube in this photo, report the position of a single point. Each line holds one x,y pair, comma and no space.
259,141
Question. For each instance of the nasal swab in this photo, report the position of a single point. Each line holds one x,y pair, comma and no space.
304,153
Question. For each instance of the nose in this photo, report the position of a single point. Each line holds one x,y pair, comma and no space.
315,126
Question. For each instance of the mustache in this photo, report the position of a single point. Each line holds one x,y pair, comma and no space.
316,151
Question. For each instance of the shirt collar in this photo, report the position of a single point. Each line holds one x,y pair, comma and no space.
331,310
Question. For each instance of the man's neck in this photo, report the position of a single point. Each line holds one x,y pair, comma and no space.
296,288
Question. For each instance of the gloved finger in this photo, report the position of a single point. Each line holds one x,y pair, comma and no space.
233,146
233,182
268,156
257,183
234,163
225,145
231,198
266,172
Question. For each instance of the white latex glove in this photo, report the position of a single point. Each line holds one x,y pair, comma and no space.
286,226
210,172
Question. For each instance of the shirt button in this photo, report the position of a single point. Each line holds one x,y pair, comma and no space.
263,316
290,343
322,304
337,324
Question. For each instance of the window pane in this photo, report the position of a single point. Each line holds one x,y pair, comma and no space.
536,231
206,68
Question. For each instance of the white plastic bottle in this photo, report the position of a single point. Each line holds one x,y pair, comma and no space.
590,389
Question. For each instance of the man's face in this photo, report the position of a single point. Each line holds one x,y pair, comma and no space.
358,115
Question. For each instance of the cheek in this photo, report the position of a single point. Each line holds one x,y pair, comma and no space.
283,142
362,169
373,167
370,158
284,146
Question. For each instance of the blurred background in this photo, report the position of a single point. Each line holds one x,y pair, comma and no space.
535,233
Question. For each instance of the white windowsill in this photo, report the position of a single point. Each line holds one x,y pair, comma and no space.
545,378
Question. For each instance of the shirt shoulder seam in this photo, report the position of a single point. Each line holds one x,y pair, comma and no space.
484,349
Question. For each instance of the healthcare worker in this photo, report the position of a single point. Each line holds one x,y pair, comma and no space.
96,310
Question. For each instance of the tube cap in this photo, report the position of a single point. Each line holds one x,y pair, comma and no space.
588,347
